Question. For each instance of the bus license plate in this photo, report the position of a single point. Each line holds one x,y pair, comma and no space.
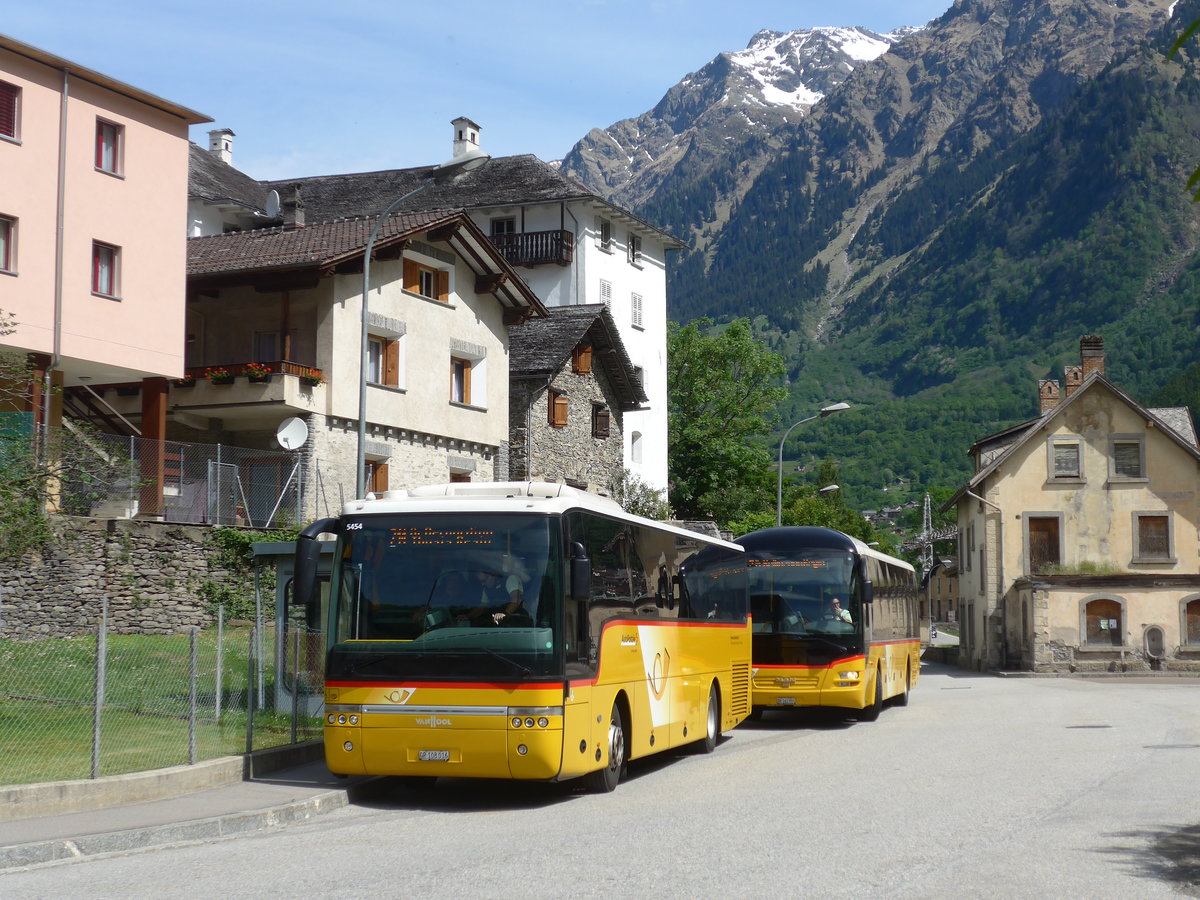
433,755
785,701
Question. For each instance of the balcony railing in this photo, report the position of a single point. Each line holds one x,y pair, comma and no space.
536,248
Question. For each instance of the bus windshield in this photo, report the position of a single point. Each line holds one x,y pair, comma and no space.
810,594
447,595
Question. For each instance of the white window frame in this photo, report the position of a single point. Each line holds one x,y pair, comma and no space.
110,287
635,310
606,292
15,137
604,234
110,160
634,249
8,245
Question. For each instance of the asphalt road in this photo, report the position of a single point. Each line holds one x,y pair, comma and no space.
983,787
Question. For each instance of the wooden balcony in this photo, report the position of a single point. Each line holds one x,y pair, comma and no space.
536,248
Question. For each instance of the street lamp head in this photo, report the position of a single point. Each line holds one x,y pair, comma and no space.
829,489
830,410
452,168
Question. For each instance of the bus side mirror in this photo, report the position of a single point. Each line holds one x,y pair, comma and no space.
868,591
581,573
308,557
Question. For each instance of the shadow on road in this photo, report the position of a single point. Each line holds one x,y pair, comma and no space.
1173,855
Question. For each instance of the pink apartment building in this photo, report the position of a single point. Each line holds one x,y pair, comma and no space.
93,197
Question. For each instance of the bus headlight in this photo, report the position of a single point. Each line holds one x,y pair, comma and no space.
529,722
543,722
516,722
522,749
341,720
354,720
848,676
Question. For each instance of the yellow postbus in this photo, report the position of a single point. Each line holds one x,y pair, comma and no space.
836,623
523,630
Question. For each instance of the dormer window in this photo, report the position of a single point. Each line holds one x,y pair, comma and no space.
433,284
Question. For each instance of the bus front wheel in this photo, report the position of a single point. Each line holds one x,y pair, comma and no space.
871,713
712,722
610,776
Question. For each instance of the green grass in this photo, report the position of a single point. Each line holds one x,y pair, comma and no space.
47,692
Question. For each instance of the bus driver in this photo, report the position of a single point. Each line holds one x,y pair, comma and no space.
836,612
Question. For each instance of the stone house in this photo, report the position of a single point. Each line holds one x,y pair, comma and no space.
572,385
941,589
274,333
1077,534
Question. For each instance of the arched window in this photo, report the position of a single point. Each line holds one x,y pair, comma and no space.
1191,622
1103,623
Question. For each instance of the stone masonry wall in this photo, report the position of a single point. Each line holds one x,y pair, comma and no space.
151,573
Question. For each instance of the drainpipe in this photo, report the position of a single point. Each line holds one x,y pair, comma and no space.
999,575
56,352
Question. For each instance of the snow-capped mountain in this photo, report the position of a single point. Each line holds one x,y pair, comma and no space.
736,97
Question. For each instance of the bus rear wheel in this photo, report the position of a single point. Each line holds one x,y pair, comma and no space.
902,700
712,722
606,779
871,713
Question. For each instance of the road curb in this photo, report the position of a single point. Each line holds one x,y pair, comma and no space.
208,829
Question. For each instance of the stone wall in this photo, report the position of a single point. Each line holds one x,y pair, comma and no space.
151,573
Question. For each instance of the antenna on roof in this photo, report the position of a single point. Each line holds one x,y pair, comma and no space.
272,204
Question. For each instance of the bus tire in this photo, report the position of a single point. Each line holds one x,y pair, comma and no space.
606,779
871,713
902,700
712,722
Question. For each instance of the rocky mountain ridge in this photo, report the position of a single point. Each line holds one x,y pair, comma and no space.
739,95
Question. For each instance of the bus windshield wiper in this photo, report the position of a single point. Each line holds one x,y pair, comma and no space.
353,668
520,667
841,648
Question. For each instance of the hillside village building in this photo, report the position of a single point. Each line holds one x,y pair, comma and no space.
1077,535
91,255
571,246
572,384
274,333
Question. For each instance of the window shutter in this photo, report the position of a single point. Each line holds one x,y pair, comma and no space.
636,305
1153,536
582,361
1066,460
601,419
1127,459
8,109
391,363
606,292
557,409
412,277
443,286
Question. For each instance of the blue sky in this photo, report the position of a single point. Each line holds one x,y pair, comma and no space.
314,88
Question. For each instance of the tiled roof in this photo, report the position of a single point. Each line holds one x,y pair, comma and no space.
541,348
1179,419
316,245
211,179
503,181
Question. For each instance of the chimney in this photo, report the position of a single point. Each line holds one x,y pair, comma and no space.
292,210
1091,354
220,144
1073,376
1048,395
466,136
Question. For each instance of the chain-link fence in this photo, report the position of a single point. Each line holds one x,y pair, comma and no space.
114,476
105,704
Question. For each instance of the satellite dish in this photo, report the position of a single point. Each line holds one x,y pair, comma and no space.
272,204
291,433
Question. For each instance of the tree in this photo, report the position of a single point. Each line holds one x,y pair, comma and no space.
722,390
23,482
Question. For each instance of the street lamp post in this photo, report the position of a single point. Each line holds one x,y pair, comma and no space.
825,411
465,162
